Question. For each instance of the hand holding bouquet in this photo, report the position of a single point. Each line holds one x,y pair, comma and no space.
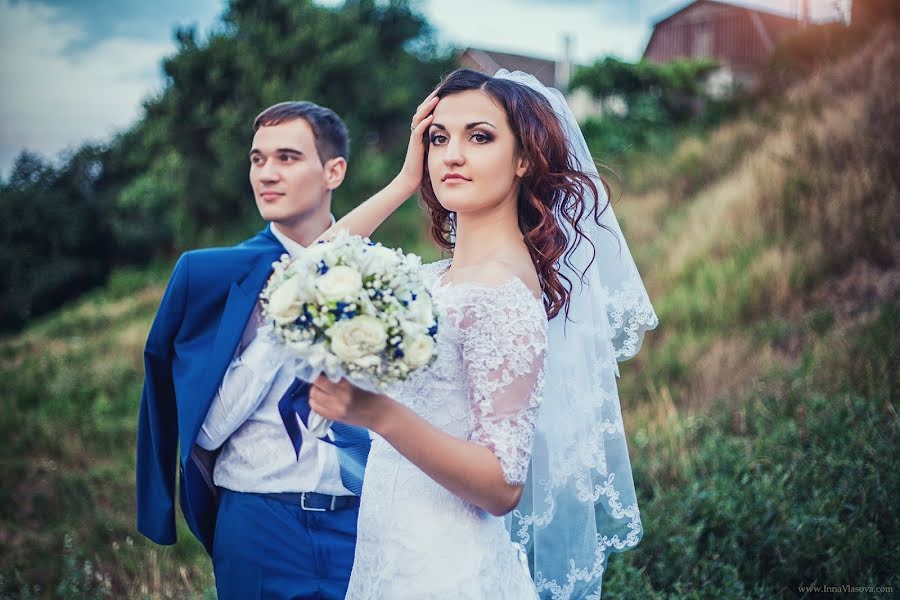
350,308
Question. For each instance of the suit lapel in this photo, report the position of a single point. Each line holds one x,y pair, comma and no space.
241,299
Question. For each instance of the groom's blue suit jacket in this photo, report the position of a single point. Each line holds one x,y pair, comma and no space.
191,343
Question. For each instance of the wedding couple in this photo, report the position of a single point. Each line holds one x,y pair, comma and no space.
501,471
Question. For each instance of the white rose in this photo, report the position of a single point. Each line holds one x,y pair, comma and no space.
418,351
356,338
339,283
381,259
284,302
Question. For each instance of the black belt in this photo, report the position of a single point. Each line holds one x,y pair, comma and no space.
313,501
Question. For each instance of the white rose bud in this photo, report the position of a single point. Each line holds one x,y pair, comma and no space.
418,351
410,329
356,338
381,259
339,283
421,310
284,302
414,261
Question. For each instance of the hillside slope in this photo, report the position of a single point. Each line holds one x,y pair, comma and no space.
797,219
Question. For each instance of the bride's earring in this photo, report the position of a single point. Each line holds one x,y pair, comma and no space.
452,219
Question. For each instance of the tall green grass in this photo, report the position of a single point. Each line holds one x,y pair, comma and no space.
68,415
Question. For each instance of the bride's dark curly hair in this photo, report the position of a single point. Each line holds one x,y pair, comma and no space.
552,184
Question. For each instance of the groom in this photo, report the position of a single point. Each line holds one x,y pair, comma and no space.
276,524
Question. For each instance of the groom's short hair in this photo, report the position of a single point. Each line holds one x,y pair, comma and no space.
330,132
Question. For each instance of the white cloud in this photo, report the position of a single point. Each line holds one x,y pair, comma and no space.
598,27
54,98
536,28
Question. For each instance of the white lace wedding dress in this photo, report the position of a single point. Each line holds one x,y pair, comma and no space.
416,540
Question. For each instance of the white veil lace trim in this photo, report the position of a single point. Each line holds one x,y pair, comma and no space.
579,502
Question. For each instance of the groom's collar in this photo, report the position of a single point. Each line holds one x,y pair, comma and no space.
293,248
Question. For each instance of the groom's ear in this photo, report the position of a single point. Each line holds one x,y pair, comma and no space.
335,171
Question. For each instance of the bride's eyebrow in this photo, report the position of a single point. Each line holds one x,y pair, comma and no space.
469,126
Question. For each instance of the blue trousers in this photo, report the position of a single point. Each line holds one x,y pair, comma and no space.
267,549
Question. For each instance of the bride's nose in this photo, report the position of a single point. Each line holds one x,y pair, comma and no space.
453,154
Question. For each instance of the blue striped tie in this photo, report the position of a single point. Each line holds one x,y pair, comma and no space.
353,450
352,442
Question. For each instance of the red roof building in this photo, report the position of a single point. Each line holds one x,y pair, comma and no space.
741,39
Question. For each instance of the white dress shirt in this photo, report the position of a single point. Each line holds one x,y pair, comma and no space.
257,454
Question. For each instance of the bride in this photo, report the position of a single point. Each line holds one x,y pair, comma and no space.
501,471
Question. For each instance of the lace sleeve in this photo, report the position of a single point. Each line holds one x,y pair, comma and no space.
504,337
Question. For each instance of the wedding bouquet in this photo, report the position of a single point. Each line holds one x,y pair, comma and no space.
349,307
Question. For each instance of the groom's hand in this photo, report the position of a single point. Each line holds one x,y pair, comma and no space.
347,403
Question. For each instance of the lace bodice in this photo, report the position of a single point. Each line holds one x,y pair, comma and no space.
416,539
491,340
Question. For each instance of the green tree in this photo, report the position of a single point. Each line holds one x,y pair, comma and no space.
53,241
178,178
372,62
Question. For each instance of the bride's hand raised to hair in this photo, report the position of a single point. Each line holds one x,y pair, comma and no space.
367,216
413,166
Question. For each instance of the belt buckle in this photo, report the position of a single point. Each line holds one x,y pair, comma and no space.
310,509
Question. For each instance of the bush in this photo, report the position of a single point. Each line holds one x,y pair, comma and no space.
661,100
802,494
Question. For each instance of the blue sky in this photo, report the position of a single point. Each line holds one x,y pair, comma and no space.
77,70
